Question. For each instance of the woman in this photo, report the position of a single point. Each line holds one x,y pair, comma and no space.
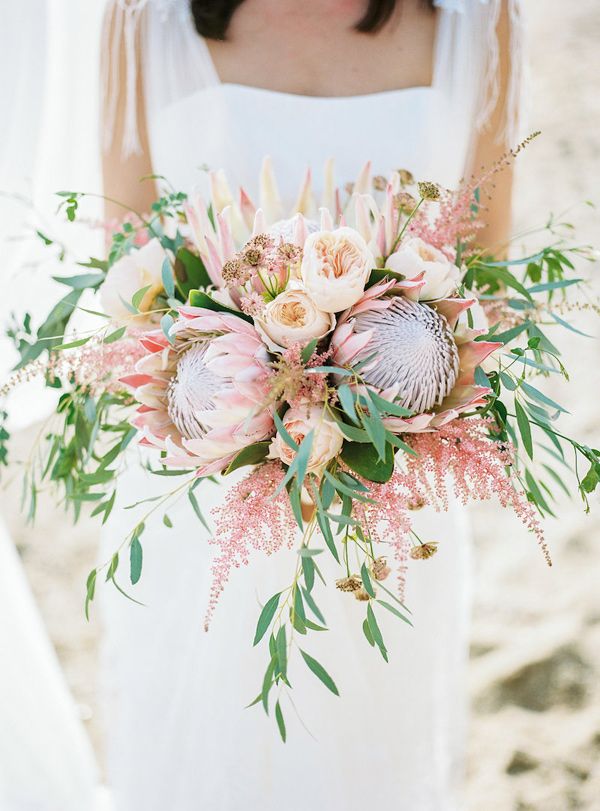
406,85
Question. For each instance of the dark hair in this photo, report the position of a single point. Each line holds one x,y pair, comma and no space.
212,17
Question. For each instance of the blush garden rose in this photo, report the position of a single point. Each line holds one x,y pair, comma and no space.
335,268
415,256
294,317
299,422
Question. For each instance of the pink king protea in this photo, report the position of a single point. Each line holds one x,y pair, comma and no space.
417,358
201,397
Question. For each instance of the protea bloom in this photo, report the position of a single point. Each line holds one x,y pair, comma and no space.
200,397
417,359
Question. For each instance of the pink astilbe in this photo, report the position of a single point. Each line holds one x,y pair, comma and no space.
453,221
97,366
291,382
250,518
460,460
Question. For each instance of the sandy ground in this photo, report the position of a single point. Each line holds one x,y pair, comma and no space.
535,729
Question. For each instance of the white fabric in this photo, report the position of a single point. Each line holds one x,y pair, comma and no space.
48,62
179,737
466,68
46,762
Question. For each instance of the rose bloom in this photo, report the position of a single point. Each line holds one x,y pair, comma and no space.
299,422
335,268
138,269
293,317
415,256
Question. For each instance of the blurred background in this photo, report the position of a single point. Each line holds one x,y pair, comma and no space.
535,669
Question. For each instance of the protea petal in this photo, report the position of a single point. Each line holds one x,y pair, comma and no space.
329,189
363,181
270,199
247,209
305,203
326,219
451,308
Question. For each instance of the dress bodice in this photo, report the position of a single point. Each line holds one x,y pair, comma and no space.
394,129
195,121
233,126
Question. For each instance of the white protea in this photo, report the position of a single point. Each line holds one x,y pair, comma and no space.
191,392
417,356
416,352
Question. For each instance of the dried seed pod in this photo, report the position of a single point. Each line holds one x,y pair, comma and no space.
424,551
352,583
380,570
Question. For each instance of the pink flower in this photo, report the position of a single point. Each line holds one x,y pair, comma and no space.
440,276
335,268
201,398
139,269
417,358
299,422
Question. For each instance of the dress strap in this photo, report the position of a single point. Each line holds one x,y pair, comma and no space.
164,60
468,62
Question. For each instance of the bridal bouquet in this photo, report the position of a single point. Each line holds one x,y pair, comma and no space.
360,361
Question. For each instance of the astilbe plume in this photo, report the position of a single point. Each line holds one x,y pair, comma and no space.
96,366
250,517
461,460
291,382
456,220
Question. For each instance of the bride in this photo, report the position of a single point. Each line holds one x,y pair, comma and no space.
427,86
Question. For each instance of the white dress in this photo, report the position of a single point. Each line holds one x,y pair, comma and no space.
178,736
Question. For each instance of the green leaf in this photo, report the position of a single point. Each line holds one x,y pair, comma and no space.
364,573
112,566
281,650
280,721
190,271
542,288
308,570
137,297
136,557
355,434
72,344
198,298
281,430
308,350
364,460
394,611
309,600
346,398
167,521
83,281
305,552
250,455
166,322
298,604
114,336
368,634
167,278
266,616
389,408
375,632
524,428
317,370
267,684
196,507
535,394
568,326
320,672
90,589
591,479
